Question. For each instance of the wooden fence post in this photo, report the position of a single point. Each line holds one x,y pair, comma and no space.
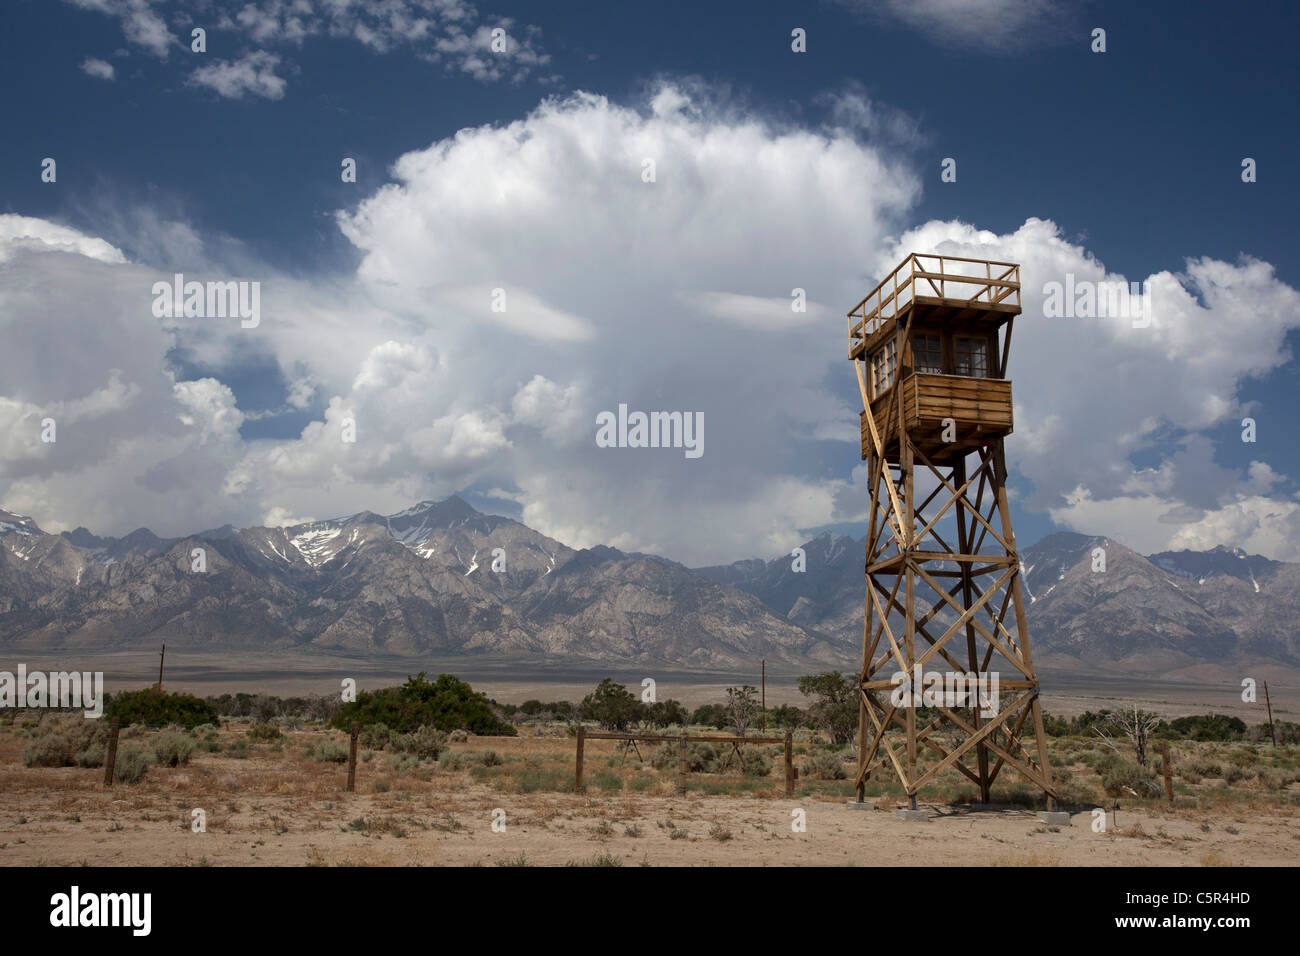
1164,761
110,760
577,770
352,759
789,764
681,764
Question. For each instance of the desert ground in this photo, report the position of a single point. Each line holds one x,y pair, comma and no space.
283,802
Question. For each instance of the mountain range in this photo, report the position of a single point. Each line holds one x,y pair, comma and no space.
416,583
1176,613
442,579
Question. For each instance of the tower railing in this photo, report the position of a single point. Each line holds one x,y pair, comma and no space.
952,278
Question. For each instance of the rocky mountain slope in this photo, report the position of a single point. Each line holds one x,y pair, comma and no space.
1142,615
422,583
419,582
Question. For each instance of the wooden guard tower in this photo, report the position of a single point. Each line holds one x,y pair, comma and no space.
929,345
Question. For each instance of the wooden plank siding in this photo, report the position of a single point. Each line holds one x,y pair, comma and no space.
981,408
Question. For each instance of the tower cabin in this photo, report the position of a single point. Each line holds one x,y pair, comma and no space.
932,363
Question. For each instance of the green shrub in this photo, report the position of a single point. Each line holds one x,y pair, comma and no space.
453,760
48,750
1141,780
58,741
710,715
172,749
445,704
702,758
1105,762
1271,779
375,736
1235,773
330,751
664,757
1197,768
755,763
426,743
400,762
92,756
264,731
152,708
1209,727
131,764
825,766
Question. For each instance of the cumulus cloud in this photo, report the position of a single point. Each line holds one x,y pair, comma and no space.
1093,394
555,410
209,407
667,295
38,235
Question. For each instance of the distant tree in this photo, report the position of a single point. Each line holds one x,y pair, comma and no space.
1209,727
710,715
1137,725
665,713
447,703
834,706
1055,726
786,716
153,708
561,710
267,707
530,708
611,705
742,707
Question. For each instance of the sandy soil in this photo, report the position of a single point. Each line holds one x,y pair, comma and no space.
440,827
267,810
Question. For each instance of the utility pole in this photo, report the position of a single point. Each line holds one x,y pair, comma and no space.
1272,737
161,657
763,722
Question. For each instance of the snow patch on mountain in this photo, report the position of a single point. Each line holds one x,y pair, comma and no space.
311,544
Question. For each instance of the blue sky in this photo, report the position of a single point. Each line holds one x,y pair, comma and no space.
225,164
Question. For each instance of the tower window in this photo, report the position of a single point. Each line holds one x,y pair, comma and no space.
927,353
972,356
884,366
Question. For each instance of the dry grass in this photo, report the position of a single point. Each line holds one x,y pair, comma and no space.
273,803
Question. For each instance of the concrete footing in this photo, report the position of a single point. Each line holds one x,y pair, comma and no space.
854,805
1056,818
917,816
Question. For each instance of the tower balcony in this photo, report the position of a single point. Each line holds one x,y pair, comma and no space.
933,289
